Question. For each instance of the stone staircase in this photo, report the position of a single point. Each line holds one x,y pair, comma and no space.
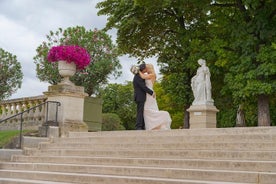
195,156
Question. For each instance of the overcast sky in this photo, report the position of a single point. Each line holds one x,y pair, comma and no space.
24,25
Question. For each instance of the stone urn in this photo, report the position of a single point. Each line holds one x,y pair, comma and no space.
66,70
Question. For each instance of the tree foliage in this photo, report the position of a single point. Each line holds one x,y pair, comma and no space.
251,34
165,102
237,38
111,122
10,74
118,99
104,61
178,40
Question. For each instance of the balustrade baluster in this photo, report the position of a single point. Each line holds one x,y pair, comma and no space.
13,112
25,115
14,121
31,113
42,112
36,112
18,110
9,112
3,111
21,109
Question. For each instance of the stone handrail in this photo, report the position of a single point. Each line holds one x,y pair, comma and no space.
14,106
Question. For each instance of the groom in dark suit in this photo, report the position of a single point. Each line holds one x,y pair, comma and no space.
140,90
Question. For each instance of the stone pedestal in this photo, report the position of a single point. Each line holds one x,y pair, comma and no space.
70,114
203,116
53,132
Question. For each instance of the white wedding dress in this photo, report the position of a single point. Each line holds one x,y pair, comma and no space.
154,118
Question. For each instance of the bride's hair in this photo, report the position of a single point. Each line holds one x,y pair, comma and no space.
150,68
150,73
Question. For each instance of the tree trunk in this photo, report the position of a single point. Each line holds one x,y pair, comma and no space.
263,111
186,118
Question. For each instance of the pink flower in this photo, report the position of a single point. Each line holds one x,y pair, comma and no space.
70,53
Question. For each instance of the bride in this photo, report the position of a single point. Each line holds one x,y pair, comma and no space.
154,118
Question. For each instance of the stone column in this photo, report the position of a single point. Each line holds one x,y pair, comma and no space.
70,114
203,116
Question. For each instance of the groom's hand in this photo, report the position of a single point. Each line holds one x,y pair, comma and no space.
153,95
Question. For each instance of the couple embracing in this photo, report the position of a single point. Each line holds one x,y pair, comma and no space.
148,116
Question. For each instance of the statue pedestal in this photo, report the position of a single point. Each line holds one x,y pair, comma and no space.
203,116
70,113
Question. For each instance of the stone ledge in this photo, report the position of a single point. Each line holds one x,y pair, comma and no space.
6,154
65,90
33,142
203,108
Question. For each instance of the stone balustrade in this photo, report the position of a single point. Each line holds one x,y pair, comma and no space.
33,118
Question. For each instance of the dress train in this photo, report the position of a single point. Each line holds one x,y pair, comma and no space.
154,118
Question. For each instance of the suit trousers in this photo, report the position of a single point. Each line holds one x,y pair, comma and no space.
140,123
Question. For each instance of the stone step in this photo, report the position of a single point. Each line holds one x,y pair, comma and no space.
250,138
25,181
167,176
106,179
206,156
33,142
151,153
169,146
164,163
235,165
5,154
183,132
21,181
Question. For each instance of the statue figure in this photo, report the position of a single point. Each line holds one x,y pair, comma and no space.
201,85
240,118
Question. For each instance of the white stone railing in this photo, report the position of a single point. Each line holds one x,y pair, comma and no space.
11,107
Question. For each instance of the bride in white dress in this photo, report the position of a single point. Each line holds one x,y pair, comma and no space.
154,118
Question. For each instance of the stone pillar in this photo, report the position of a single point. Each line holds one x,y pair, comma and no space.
70,114
203,116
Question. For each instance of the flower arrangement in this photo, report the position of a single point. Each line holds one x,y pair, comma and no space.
134,69
70,53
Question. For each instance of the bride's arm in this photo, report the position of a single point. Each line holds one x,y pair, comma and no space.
146,76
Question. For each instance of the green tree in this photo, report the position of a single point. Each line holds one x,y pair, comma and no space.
104,61
166,103
237,38
178,41
10,74
111,122
118,99
249,28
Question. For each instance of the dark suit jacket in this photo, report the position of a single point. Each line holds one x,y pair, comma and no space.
140,89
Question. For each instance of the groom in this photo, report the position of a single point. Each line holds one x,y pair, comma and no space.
140,90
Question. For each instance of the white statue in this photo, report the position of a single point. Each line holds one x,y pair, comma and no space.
201,85
240,119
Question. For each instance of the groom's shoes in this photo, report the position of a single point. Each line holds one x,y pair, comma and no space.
140,128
